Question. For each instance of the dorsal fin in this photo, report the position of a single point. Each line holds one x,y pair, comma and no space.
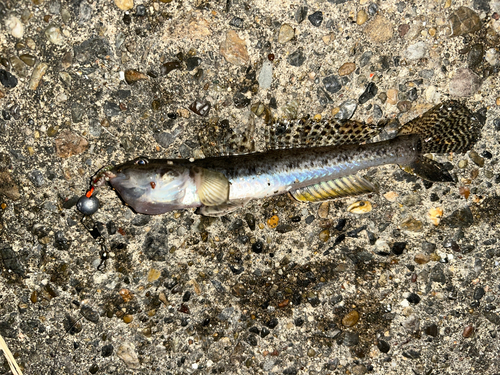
218,139
347,186
306,132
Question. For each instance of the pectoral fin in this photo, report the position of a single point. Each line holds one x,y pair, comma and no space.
341,187
212,186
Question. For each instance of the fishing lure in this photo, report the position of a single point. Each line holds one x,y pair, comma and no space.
308,171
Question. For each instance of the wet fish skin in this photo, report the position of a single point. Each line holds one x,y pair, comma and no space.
218,185
159,185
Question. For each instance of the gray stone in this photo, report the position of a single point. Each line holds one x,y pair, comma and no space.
464,83
437,274
297,58
36,177
332,84
346,110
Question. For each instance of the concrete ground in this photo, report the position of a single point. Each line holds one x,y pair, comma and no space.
406,285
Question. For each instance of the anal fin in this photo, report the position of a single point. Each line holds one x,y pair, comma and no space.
341,187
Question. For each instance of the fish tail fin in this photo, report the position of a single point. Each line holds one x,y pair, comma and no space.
447,127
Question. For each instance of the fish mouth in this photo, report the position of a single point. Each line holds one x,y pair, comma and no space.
104,175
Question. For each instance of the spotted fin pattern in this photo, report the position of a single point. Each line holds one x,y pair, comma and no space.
310,133
341,187
217,139
447,127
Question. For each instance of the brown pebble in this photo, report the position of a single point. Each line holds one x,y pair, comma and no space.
350,319
379,30
325,223
464,191
323,210
234,49
163,298
478,160
132,76
124,4
361,17
153,275
403,29
463,21
128,318
34,297
435,215
468,331
412,224
404,106
8,186
36,76
284,303
28,59
126,295
422,258
324,235
347,69
69,144
435,257
392,96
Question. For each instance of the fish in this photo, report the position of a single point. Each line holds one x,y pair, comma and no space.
308,172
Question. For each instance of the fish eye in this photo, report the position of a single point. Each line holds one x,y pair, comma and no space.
141,161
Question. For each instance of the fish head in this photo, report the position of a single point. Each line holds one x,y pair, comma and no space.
154,186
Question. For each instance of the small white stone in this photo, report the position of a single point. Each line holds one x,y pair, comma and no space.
61,97
266,75
126,352
381,245
432,95
416,51
491,56
54,35
15,27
